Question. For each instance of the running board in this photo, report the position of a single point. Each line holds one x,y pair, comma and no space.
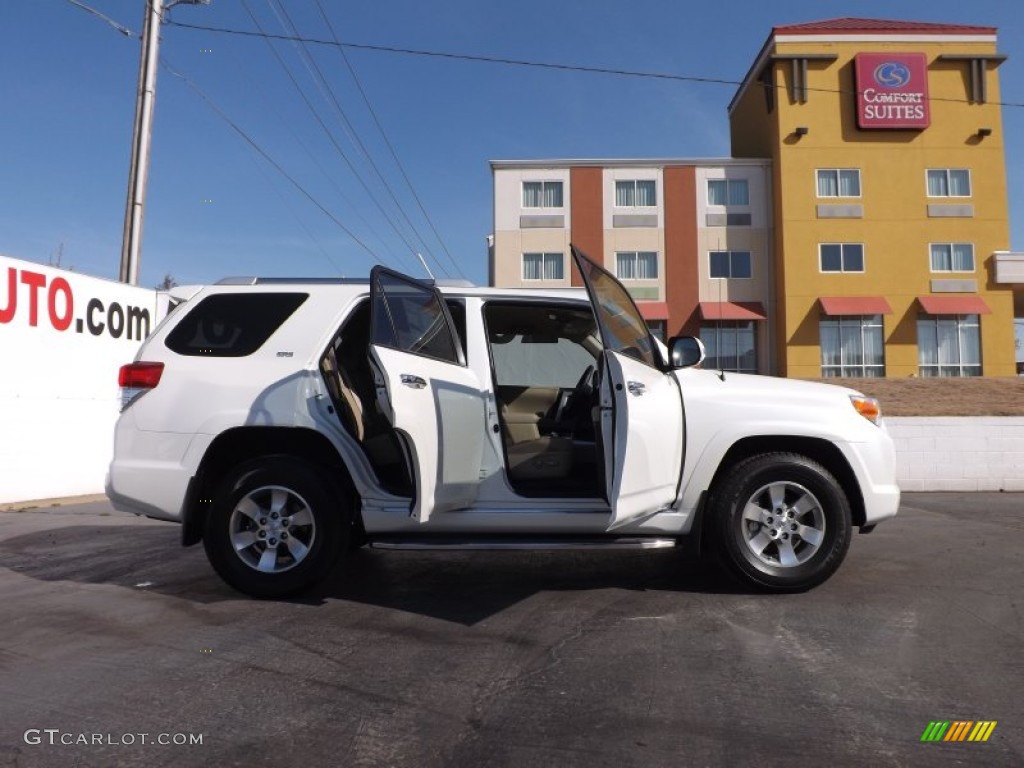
448,544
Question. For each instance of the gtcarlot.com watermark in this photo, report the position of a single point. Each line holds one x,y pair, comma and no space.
56,737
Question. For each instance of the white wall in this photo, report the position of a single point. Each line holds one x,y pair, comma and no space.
63,337
959,454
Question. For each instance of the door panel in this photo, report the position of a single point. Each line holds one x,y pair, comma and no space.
645,443
641,404
432,400
438,411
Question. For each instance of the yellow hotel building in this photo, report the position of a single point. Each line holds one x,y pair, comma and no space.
868,234
897,217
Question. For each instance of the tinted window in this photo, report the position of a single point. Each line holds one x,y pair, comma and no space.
622,327
409,316
457,310
232,324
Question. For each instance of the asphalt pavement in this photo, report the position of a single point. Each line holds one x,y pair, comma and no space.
118,647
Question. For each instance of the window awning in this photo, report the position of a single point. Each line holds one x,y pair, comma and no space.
653,310
732,310
954,305
855,305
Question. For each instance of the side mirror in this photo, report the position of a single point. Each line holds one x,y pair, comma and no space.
685,351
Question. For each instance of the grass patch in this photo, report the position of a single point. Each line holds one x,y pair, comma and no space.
997,396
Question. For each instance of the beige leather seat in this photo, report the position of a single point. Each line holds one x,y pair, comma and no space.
380,448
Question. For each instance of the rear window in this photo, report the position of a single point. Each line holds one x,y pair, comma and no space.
232,324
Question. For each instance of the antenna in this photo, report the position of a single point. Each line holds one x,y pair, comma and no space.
424,263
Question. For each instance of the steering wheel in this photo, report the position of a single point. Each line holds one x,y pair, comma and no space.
584,386
578,402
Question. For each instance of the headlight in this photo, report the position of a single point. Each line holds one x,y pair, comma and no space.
868,407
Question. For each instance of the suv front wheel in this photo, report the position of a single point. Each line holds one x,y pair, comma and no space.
275,527
781,521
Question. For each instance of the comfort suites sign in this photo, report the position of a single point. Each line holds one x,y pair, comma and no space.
892,91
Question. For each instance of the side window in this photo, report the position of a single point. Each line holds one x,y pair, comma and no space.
409,316
457,310
622,327
232,324
535,346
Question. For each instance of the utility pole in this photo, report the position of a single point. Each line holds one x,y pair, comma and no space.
142,137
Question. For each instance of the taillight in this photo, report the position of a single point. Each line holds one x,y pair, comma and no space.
135,379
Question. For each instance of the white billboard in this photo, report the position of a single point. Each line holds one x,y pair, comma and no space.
63,337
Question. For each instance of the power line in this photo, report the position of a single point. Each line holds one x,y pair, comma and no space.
384,136
535,64
298,220
330,135
318,77
248,139
330,178
387,141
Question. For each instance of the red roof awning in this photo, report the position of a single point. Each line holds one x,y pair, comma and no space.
653,310
732,310
953,305
855,305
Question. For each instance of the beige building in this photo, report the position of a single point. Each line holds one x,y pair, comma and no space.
691,239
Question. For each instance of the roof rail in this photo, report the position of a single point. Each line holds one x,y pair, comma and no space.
292,280
446,283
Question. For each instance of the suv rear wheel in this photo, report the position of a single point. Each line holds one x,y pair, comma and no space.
275,528
781,521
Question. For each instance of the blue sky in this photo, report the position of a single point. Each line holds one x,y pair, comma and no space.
69,84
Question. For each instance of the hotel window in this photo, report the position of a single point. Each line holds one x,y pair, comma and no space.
851,345
636,193
949,345
952,257
734,264
543,266
949,182
542,194
728,192
730,345
841,257
839,182
636,265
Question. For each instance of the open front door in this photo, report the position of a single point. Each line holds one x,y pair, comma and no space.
641,405
425,390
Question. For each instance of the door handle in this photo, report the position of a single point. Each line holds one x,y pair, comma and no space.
636,387
416,382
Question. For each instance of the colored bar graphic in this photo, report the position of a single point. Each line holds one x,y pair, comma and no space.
982,730
958,730
935,730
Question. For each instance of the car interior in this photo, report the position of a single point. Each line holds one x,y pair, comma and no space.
346,370
544,361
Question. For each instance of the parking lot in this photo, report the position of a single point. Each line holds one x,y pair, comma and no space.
114,639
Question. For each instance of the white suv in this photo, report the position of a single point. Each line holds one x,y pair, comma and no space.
282,422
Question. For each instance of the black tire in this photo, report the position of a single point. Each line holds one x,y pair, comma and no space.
781,521
276,499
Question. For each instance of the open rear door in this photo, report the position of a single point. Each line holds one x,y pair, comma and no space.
641,404
424,388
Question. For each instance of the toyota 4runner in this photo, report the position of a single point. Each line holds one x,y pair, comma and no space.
282,422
